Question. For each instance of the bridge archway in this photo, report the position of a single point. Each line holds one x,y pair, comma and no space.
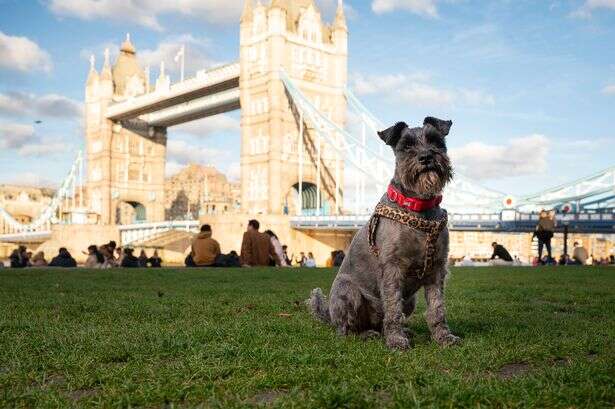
129,212
309,200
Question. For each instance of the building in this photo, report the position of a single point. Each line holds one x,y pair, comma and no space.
290,35
199,190
125,160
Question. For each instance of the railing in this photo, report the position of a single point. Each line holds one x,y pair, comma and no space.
130,233
518,222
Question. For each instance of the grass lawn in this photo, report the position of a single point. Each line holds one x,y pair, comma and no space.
533,337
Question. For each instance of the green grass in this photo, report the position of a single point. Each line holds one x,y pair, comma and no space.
533,337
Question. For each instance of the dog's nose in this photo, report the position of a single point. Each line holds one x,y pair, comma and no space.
425,158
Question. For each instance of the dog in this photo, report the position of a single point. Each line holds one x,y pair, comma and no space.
403,247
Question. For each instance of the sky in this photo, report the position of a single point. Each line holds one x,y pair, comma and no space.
529,85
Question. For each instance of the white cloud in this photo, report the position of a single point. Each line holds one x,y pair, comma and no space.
609,89
25,142
209,126
415,89
520,156
233,172
589,6
14,135
44,148
172,168
29,179
48,105
22,54
425,8
146,13
183,152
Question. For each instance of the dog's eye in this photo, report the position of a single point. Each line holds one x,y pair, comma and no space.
406,144
436,141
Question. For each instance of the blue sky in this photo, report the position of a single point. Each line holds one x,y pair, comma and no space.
529,85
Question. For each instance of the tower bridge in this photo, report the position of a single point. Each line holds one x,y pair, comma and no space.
290,84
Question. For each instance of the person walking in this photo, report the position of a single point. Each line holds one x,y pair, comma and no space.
544,234
205,249
256,247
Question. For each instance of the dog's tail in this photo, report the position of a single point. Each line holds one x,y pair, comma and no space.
319,306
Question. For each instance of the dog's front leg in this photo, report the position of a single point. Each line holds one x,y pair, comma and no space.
390,291
436,315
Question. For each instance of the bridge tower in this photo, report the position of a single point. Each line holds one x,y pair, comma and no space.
289,35
125,159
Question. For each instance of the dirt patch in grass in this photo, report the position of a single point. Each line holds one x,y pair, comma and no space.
79,394
510,371
267,397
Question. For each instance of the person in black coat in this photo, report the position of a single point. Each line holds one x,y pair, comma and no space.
143,259
155,260
500,252
63,259
128,259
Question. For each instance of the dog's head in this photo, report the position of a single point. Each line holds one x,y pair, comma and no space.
422,165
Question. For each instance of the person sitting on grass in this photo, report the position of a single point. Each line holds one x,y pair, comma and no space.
19,257
277,246
155,260
95,258
500,255
108,253
256,247
300,260
128,259
63,259
38,260
579,254
310,262
143,259
205,249
287,260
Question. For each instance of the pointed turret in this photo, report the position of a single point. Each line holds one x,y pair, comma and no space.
127,70
246,15
105,73
93,74
340,17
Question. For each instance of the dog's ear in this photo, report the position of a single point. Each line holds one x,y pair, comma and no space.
442,127
391,135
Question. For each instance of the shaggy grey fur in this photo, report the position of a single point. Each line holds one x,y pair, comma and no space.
378,292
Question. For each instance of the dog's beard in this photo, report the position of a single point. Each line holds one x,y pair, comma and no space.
426,182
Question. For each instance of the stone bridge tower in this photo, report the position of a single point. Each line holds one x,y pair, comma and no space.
125,160
289,35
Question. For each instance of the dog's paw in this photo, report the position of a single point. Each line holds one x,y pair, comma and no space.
397,341
449,340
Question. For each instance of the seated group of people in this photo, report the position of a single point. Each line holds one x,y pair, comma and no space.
105,256
21,257
109,255
257,249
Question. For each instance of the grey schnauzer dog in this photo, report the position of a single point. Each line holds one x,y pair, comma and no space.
403,248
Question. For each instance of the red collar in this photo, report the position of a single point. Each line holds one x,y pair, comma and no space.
412,203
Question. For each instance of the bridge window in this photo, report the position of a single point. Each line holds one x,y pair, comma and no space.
257,184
